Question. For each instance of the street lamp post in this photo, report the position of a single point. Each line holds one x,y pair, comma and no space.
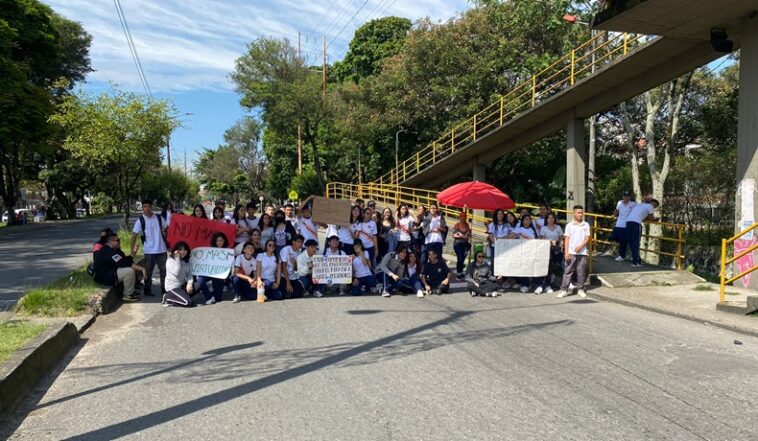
168,141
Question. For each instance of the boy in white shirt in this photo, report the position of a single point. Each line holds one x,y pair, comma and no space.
623,209
308,229
290,285
638,215
152,230
576,238
305,268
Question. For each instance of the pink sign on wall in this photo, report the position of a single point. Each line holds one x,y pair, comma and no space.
747,261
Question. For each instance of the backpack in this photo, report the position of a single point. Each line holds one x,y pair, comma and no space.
160,226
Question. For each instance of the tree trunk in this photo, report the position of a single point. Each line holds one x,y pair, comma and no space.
316,158
632,153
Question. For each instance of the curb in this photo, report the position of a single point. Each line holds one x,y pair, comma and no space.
728,327
21,372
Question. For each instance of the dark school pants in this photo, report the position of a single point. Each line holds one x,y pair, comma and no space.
634,234
150,261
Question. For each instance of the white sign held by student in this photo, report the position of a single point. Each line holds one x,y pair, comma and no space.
211,262
332,270
522,258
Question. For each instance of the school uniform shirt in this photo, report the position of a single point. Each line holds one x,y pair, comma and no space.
154,243
359,268
640,212
286,255
539,223
248,266
268,266
405,227
367,232
304,262
345,235
528,232
245,236
625,209
266,235
177,273
435,273
554,235
500,231
576,234
282,237
411,270
435,222
308,229
328,252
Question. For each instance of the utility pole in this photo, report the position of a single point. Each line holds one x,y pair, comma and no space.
185,161
299,138
168,153
323,74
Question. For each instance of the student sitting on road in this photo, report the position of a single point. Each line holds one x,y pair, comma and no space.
290,283
245,282
179,287
111,267
362,275
268,270
479,277
436,275
333,249
305,268
392,268
218,240
411,281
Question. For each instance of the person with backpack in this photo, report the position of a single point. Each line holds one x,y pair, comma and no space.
152,230
179,285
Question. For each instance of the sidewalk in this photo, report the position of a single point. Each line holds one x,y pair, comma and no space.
683,301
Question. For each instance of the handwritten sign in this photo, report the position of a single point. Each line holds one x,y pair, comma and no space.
522,258
331,211
211,262
197,232
332,270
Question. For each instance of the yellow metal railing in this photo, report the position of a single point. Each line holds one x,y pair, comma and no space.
580,63
601,225
725,262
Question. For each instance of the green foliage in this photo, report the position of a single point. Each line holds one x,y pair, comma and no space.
372,43
162,186
306,184
14,334
65,297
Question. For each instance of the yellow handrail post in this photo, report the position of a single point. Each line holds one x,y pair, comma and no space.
404,170
418,161
452,140
626,43
534,90
434,152
680,249
501,110
723,269
474,128
573,64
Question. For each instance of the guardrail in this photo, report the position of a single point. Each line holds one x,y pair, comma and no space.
669,244
724,261
581,62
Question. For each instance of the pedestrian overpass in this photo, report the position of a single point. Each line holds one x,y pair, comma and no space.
671,37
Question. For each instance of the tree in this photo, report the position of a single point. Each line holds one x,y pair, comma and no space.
372,43
119,137
245,137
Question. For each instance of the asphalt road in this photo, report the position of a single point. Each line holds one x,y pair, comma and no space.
519,367
34,255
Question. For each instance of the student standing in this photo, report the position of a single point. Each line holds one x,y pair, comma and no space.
356,216
251,208
639,214
434,230
239,218
283,231
368,234
387,238
405,221
308,229
461,243
623,209
292,288
219,215
199,211
576,238
526,231
554,233
497,229
269,271
152,230
245,282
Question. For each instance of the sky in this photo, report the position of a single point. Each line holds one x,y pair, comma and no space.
187,48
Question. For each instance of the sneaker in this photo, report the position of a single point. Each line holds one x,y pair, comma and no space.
538,290
306,294
210,301
561,294
420,294
318,294
493,294
237,299
380,286
619,259
580,292
386,294
130,299
472,294
549,290
571,286
166,304
524,289
507,285
636,265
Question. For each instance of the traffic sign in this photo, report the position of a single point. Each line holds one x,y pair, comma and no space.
293,195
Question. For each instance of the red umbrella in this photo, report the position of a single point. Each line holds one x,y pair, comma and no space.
475,195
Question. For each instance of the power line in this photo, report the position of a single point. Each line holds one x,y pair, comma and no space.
348,22
132,48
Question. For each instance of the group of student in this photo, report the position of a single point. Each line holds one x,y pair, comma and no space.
392,251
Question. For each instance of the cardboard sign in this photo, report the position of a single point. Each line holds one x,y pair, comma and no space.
197,232
211,262
331,211
330,270
522,258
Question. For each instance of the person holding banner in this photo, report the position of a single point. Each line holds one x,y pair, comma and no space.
288,258
405,222
435,274
269,273
479,277
218,240
305,269
526,231
199,211
333,249
499,228
362,275
245,282
179,286
576,238
554,233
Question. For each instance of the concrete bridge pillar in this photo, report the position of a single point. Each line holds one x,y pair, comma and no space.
479,174
576,160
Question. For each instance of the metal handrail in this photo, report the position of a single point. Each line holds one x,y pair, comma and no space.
724,261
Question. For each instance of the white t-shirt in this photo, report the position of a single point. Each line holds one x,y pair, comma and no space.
577,233
287,254
640,212
268,266
528,232
345,235
244,236
500,231
405,227
434,237
154,243
248,266
367,233
329,252
411,270
359,268
554,235
624,211
304,267
308,229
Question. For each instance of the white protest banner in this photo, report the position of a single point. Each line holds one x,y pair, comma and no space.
332,270
522,258
211,262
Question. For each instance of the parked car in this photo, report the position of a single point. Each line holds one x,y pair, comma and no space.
5,217
81,212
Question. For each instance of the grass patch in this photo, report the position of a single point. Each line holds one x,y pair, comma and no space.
66,297
126,242
703,288
731,293
15,333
